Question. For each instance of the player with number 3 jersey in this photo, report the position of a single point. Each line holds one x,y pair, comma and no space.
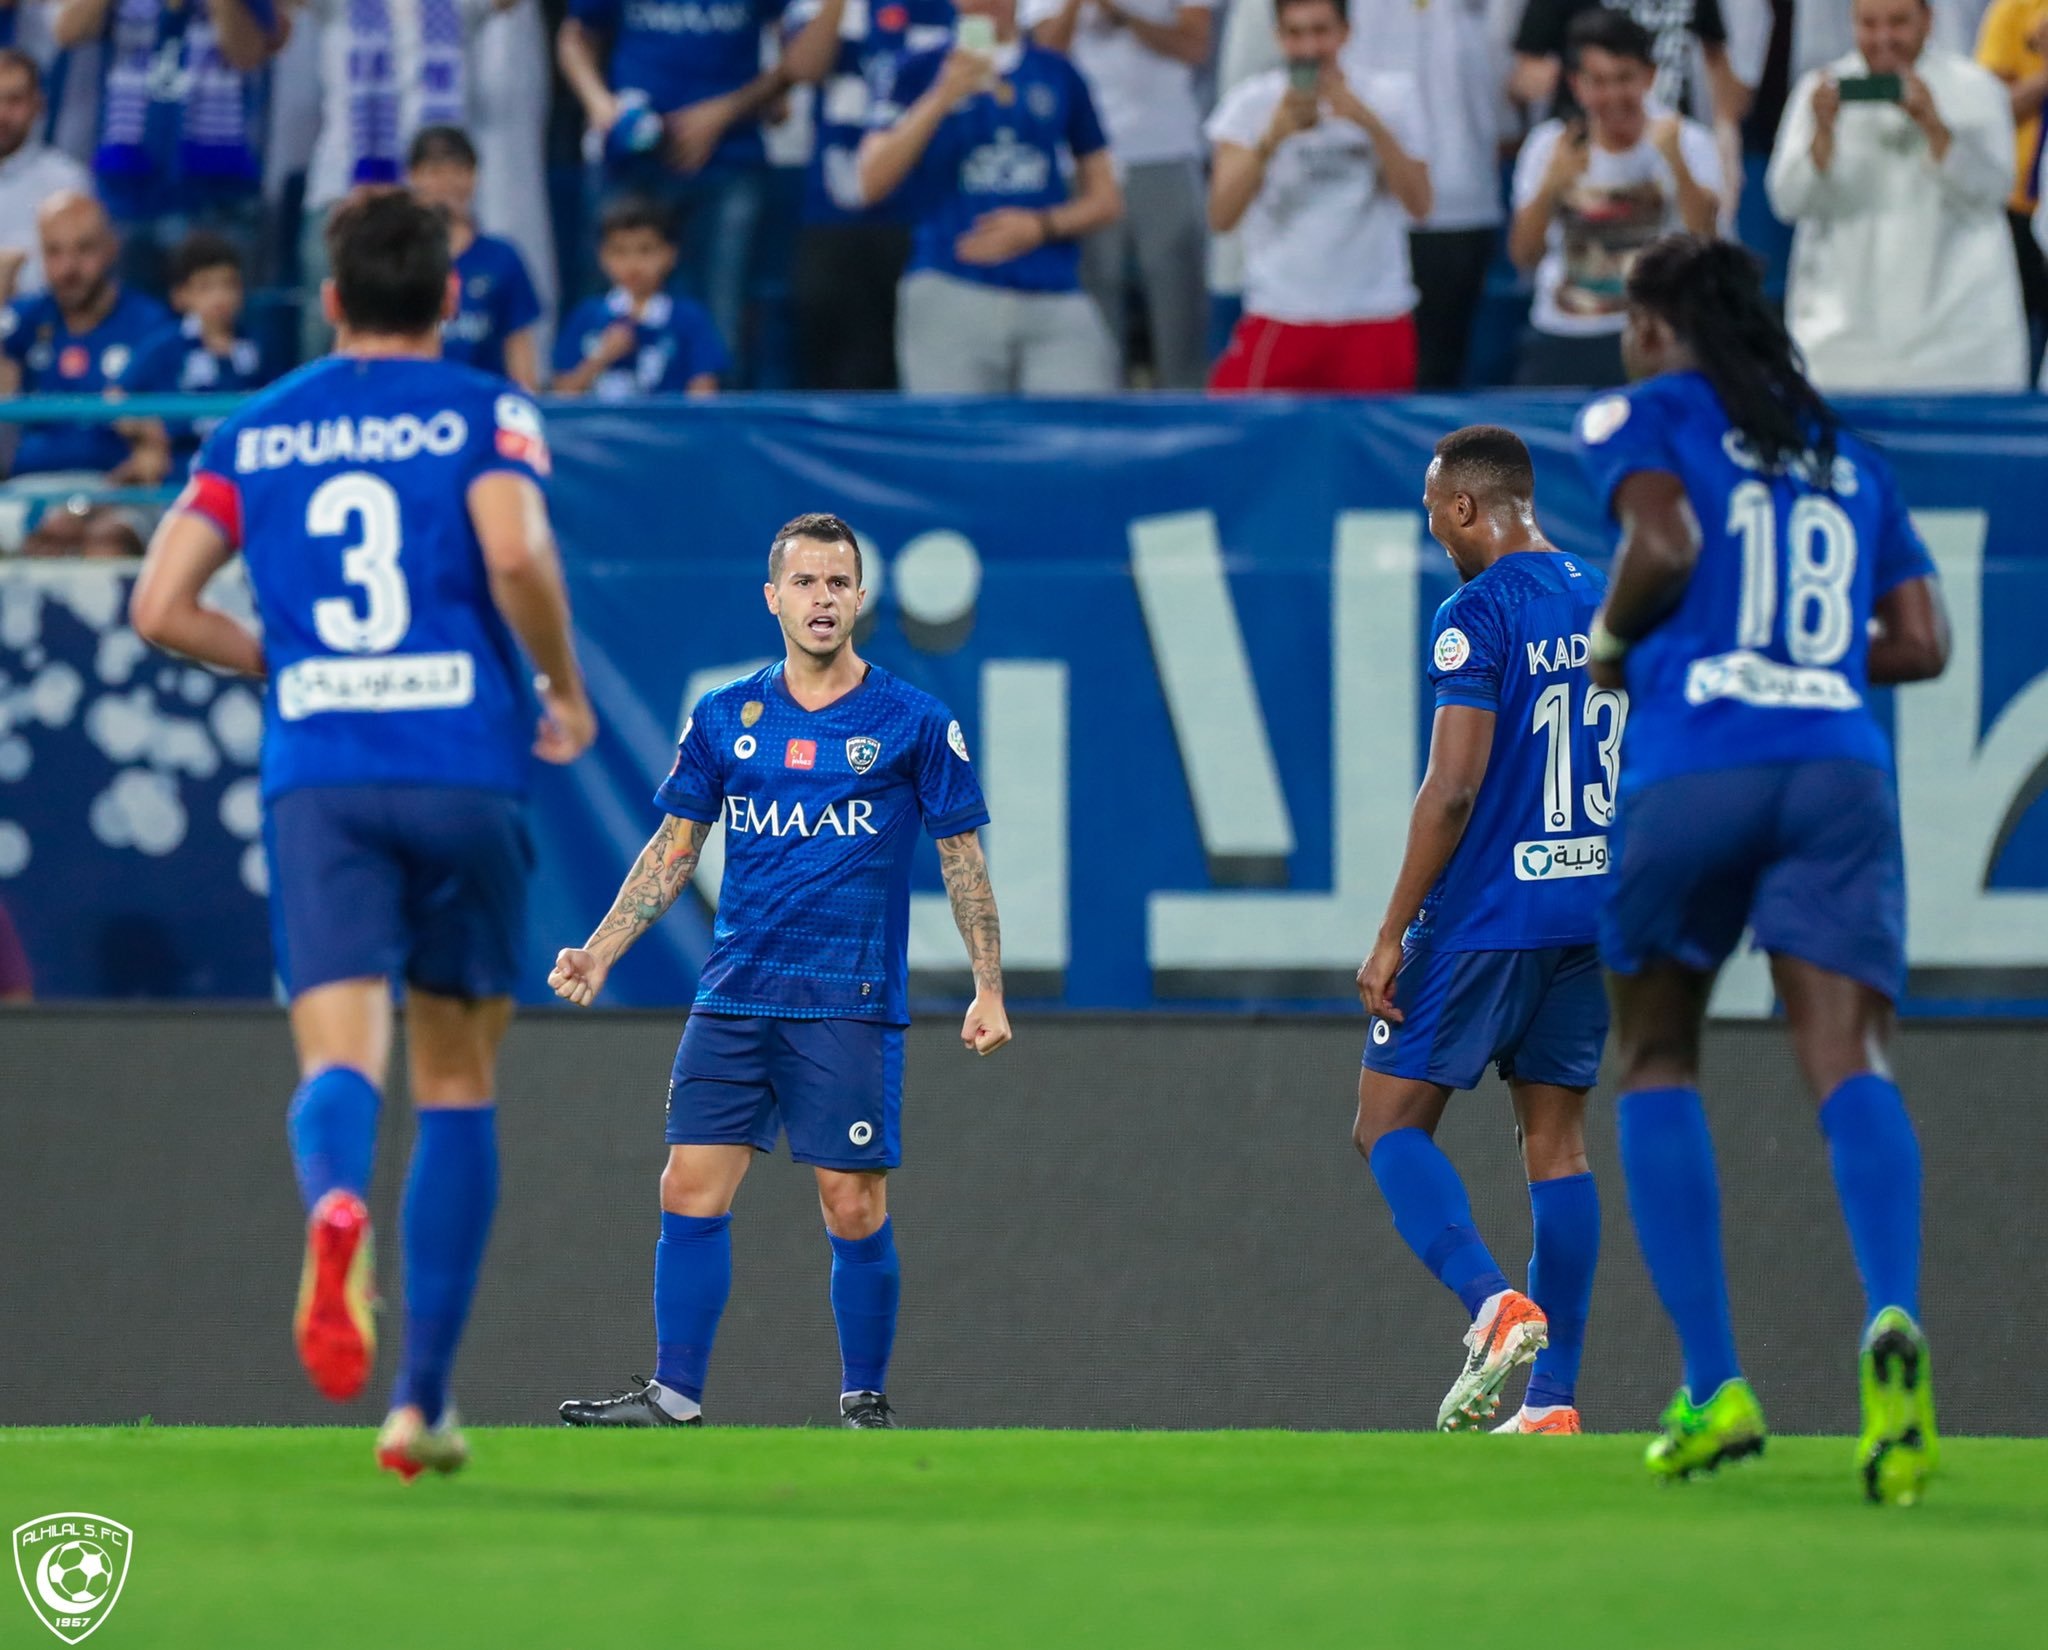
1767,576
1486,954
388,509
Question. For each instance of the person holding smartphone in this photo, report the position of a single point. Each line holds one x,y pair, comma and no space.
994,146
1322,169
1590,193
1893,165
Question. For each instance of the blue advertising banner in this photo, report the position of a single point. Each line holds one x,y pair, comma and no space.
1184,638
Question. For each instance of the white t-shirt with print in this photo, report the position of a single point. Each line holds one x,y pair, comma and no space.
1624,200
1324,239
1146,100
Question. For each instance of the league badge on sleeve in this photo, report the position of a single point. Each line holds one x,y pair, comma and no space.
861,752
1602,419
519,434
958,741
1453,648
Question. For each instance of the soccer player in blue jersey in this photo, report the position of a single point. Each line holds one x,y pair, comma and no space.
821,768
1486,953
1768,575
389,511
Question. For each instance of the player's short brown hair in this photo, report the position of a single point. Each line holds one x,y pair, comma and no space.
821,528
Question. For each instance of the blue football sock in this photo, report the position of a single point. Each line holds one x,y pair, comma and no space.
332,1126
1434,1216
1566,1213
1876,1160
1667,1156
866,1283
692,1278
451,1192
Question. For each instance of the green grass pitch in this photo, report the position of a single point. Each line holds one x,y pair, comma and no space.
727,1539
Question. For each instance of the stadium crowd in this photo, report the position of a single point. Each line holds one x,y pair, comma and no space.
1008,196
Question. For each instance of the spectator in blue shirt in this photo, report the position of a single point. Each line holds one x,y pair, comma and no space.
181,115
850,256
82,337
496,307
678,118
1005,168
639,338
207,353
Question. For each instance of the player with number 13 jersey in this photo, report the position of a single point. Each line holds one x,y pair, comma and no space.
1486,952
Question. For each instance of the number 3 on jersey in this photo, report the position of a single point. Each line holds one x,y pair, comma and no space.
1553,718
368,505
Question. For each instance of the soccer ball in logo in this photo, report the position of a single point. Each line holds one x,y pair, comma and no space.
80,1572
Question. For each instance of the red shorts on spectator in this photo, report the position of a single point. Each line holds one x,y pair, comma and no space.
1340,357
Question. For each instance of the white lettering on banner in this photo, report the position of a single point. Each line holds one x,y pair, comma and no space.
1212,941
1962,790
1206,674
349,441
400,681
1005,167
1765,683
1549,858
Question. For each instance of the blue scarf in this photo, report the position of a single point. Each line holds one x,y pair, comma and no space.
375,106
171,106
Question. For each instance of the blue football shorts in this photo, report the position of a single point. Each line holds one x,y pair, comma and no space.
420,883
835,1086
1805,854
1541,1016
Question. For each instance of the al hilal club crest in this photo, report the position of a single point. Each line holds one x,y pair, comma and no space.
72,1567
861,752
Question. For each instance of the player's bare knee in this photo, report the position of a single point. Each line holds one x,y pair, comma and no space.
686,1189
854,1205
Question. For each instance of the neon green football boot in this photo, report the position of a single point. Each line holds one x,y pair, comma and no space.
1729,1426
1898,1450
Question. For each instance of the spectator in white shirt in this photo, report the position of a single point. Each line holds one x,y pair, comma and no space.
30,173
1139,59
1321,167
1893,164
1591,193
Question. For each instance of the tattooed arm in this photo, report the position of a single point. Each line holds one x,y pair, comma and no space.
662,871
986,1027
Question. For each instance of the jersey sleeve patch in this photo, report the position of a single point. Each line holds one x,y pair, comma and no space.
216,499
521,438
1603,419
1453,648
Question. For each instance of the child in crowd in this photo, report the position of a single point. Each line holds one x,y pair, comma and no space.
639,338
207,352
493,328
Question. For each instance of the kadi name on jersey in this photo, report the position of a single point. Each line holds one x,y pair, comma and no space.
1565,653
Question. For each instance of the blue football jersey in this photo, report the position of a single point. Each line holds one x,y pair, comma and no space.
821,811
346,487
1011,146
1764,659
1532,865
